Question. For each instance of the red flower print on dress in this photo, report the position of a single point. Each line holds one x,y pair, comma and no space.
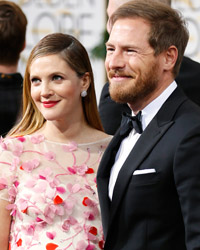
90,171
19,242
88,202
93,230
101,244
52,191
85,201
24,211
57,200
51,246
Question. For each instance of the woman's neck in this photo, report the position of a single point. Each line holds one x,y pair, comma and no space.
77,132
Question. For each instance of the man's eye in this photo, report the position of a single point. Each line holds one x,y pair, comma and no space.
110,49
131,51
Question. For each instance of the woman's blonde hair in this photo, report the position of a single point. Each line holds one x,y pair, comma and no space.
76,56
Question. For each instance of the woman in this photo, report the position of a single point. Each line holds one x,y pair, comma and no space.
48,164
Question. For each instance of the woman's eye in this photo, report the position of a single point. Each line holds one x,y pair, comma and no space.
35,80
57,78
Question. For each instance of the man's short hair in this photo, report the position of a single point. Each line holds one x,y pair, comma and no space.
162,1
13,24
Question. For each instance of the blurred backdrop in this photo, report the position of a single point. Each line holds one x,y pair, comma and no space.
86,20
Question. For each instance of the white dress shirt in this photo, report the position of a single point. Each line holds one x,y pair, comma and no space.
128,143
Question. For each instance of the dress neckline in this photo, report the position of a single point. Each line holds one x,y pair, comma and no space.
72,142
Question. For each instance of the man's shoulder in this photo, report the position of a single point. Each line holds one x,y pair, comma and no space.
105,90
190,69
189,79
8,81
189,62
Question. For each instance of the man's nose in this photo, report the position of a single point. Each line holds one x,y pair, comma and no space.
115,60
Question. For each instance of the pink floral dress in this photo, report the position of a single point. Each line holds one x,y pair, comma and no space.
52,192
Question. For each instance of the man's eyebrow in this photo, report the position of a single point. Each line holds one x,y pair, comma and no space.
108,44
124,46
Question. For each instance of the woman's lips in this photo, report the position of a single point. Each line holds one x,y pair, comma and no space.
49,104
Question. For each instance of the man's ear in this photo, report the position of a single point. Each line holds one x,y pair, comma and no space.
171,55
85,81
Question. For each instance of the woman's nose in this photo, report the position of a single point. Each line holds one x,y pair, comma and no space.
46,90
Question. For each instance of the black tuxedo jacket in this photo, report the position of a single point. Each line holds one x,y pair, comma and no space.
161,210
10,100
188,79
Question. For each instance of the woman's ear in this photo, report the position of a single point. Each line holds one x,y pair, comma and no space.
171,56
85,81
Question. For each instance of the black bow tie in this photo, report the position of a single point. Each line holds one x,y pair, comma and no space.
129,122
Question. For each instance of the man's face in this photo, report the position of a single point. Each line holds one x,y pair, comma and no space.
132,69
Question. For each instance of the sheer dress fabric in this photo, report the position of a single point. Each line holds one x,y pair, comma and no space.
51,188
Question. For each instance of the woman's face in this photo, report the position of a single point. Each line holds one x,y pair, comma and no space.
56,88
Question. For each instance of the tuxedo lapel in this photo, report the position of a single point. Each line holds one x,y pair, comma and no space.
151,135
141,149
103,175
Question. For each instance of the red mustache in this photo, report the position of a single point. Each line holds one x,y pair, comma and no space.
117,73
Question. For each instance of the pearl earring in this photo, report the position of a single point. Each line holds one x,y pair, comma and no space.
84,93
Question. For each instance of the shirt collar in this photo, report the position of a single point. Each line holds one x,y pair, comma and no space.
152,108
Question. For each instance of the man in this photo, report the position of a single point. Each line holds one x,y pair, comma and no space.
188,79
13,24
149,177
